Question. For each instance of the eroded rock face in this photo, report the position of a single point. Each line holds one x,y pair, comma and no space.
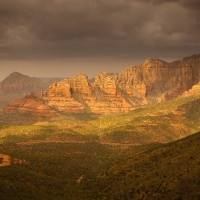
29,105
150,82
155,80
60,89
78,95
80,84
64,104
107,98
110,105
62,94
66,87
106,82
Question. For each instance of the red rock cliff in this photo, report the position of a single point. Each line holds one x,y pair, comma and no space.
155,80
150,82
29,105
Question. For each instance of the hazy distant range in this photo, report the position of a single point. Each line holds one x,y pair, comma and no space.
47,79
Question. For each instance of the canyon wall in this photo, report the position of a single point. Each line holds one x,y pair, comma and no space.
155,80
148,83
138,86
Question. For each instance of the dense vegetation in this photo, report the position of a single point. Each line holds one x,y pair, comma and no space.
51,170
171,171
90,170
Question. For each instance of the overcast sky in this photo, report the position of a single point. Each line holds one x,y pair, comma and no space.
60,38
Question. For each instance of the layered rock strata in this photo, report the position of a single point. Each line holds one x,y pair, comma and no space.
62,94
107,98
148,83
78,95
30,105
155,80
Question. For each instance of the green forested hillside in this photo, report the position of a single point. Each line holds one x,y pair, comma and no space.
164,122
90,171
171,171
50,170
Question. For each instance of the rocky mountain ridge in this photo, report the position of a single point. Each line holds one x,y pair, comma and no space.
156,80
151,82
148,83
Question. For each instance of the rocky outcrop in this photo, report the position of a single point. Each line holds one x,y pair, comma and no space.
148,83
64,104
78,95
29,105
60,89
155,80
62,95
107,98
80,84
107,83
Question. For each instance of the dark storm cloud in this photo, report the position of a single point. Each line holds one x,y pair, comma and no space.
193,4
38,29
158,1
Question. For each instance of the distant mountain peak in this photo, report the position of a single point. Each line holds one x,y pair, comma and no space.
17,85
16,74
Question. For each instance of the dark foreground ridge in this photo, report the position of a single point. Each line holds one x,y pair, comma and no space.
93,171
171,171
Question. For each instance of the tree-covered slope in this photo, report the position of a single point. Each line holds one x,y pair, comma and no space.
171,171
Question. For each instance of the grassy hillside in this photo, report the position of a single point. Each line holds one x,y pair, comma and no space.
171,171
163,122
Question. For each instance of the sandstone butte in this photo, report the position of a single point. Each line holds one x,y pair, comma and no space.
148,83
30,104
79,95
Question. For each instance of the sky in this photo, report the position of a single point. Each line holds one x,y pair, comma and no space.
61,38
